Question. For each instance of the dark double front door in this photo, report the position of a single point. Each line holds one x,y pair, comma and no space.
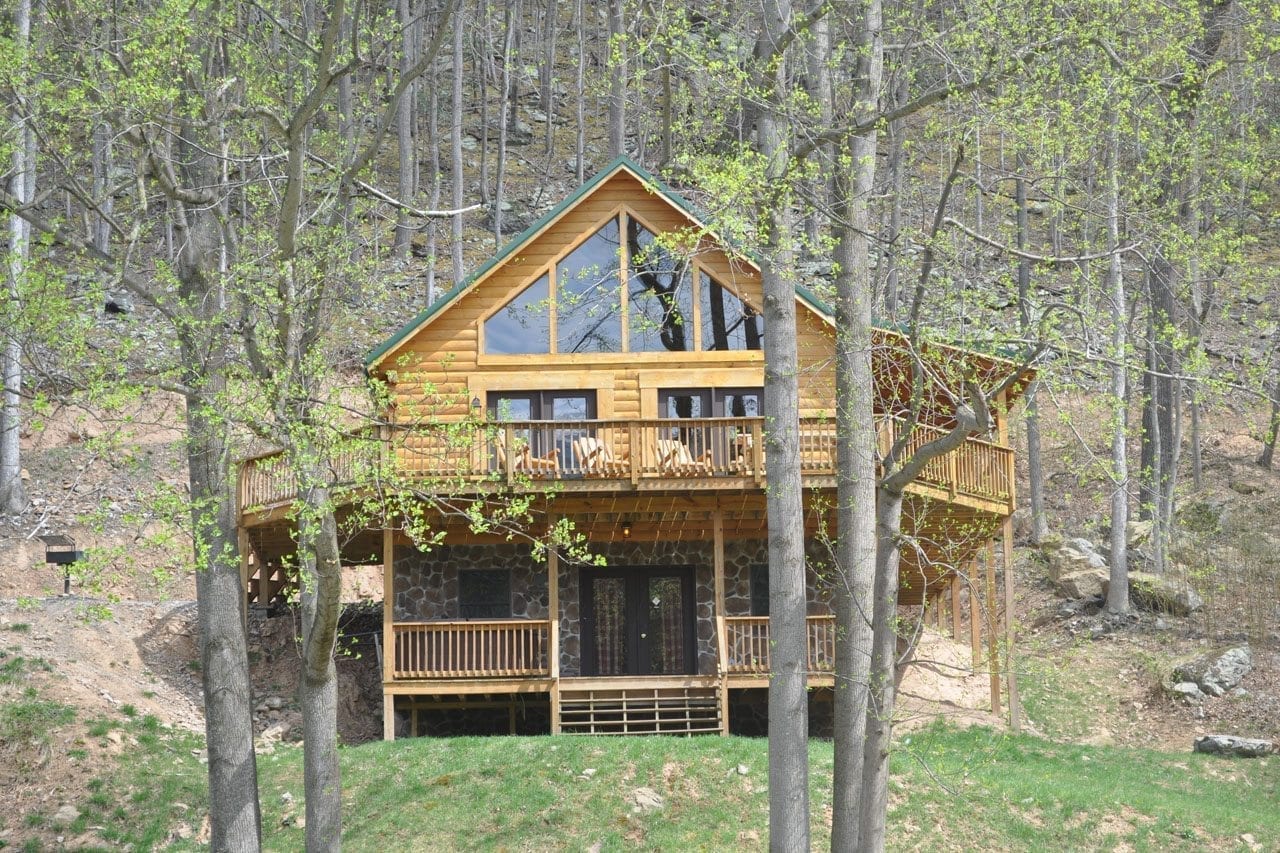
638,621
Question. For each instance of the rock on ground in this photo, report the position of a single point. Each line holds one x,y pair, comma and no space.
1089,583
1240,747
1217,673
1157,592
1072,555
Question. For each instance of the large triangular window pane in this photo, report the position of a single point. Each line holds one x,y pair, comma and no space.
728,323
588,295
659,294
523,325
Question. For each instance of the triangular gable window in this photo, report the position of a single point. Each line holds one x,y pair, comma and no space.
668,304
728,323
522,326
588,296
660,294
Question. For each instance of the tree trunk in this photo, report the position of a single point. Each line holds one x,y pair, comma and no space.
406,118
818,87
234,814
456,175
1159,447
13,496
1273,427
896,169
788,607
580,80
617,63
1118,592
235,820
506,109
547,97
321,606
200,239
853,597
1035,466
855,501
881,693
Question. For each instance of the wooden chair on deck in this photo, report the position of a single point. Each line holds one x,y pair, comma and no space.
526,462
674,457
743,452
596,458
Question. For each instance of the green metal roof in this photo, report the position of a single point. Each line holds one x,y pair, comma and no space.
525,236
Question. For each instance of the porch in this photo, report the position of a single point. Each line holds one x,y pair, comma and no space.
511,649
620,456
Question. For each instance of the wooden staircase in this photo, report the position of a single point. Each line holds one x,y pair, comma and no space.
268,583
679,707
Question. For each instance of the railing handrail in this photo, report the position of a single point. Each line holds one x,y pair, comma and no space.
478,648
436,623
722,447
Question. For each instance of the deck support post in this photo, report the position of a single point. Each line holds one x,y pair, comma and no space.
388,634
993,629
722,648
1015,703
975,615
553,645
955,606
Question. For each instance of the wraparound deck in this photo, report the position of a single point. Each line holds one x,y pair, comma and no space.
621,456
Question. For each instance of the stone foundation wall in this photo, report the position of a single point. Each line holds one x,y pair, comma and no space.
741,555
426,585
426,582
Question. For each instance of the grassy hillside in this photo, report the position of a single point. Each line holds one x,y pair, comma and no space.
952,789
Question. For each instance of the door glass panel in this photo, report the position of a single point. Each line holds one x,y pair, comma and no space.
666,638
569,409
610,596
741,404
589,297
512,408
522,326
682,404
659,294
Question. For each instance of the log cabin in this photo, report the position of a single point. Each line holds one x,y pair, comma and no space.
606,368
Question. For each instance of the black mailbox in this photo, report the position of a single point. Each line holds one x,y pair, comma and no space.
61,550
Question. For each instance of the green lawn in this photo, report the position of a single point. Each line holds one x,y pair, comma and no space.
952,790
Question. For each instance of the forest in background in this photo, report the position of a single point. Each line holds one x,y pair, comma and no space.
263,191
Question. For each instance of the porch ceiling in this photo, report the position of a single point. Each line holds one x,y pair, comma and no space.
937,537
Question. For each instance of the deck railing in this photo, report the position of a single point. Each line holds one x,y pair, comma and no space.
697,451
748,644
493,648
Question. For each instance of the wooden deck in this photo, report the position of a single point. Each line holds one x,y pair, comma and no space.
688,455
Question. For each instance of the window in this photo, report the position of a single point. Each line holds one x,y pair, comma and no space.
659,294
669,305
545,406
484,594
522,326
710,403
728,323
588,295
760,589
542,405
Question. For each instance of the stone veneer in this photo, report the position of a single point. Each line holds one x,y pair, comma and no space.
426,584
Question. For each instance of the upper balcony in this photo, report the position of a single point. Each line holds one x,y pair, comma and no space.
724,454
